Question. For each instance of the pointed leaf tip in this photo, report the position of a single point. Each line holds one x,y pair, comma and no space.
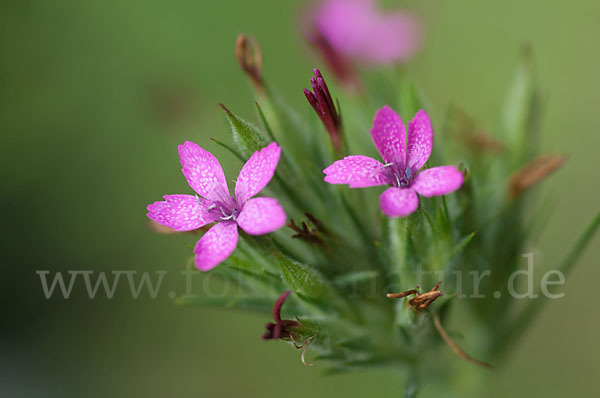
301,279
247,137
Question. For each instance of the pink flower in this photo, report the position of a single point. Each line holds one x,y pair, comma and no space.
357,29
213,203
403,159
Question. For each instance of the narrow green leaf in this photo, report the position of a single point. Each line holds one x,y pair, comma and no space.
356,221
288,120
301,279
461,245
257,282
410,99
264,121
432,226
521,111
581,244
257,251
355,277
246,136
362,343
230,149
528,314
337,356
300,203
376,361
518,99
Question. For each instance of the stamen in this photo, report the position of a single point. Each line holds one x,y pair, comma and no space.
209,208
227,217
304,347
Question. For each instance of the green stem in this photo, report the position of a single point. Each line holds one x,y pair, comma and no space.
411,389
446,212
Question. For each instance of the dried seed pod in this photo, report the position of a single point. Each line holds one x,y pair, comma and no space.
249,56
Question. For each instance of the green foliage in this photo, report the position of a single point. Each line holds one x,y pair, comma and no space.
522,113
301,279
340,276
247,137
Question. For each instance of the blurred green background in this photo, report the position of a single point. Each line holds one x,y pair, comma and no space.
96,94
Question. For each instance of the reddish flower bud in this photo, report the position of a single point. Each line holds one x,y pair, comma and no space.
321,101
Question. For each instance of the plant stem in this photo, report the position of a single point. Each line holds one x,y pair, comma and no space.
412,389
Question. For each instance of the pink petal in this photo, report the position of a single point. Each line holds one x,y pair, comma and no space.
398,202
345,24
395,37
216,245
257,172
180,212
420,141
389,135
261,216
357,29
357,172
438,181
203,172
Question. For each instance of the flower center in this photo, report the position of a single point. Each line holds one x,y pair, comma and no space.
401,178
227,214
223,211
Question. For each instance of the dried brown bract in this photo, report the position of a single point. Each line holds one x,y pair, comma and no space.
311,234
533,172
420,301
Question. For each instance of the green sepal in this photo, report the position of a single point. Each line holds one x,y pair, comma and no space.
247,137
